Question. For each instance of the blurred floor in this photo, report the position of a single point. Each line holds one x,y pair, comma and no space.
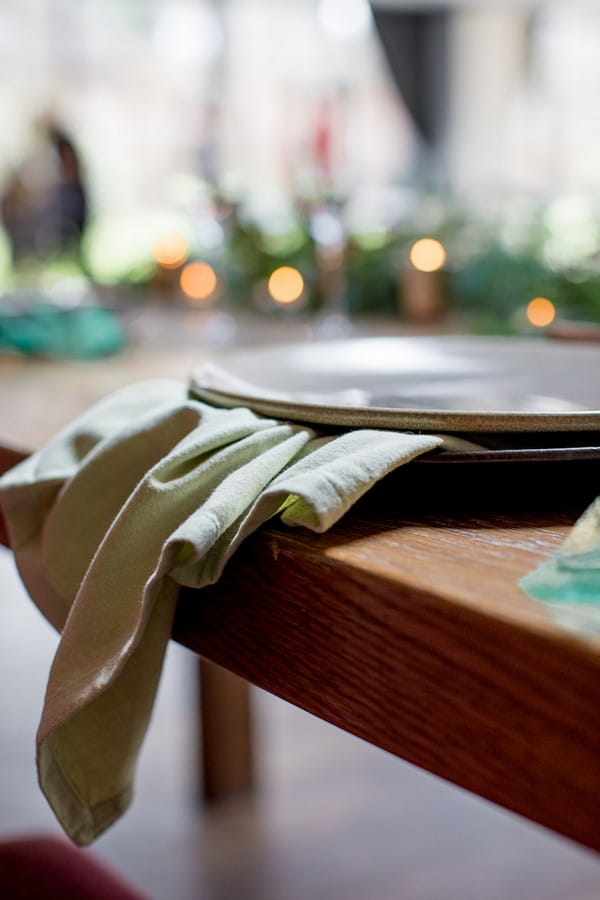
335,819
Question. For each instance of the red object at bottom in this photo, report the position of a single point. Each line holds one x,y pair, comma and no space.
48,868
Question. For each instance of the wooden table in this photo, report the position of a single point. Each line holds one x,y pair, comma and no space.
408,629
405,624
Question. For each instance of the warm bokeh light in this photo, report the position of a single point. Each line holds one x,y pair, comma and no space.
171,250
541,312
285,284
427,254
198,281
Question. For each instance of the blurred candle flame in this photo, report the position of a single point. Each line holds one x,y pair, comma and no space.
427,254
285,284
541,312
171,250
198,281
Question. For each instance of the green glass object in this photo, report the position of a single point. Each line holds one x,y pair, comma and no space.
570,583
82,332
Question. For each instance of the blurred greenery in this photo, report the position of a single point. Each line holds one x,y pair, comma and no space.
493,268
372,278
251,255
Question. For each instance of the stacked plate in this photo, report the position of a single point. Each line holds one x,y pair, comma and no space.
502,399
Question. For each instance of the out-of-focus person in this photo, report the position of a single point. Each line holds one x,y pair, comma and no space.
44,202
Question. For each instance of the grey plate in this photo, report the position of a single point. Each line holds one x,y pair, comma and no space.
452,384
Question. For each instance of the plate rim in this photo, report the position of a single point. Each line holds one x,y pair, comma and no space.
390,418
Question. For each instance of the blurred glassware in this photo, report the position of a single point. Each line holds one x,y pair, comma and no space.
39,327
331,244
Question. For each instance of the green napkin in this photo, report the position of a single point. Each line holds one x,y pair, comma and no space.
569,585
151,490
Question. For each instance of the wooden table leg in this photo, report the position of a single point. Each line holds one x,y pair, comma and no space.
226,744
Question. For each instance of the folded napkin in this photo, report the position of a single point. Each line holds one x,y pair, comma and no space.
150,490
569,584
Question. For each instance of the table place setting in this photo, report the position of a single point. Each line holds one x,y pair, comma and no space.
155,487
497,400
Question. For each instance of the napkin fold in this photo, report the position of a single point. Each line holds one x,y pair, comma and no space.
150,490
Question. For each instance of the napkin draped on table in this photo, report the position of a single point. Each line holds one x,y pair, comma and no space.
150,490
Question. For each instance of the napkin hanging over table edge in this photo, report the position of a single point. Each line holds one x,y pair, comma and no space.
149,490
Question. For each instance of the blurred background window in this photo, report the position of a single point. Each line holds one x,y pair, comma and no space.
249,94
280,94
401,114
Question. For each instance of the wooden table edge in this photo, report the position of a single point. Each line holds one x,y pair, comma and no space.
509,713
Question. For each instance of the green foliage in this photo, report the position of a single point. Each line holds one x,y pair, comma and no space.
495,287
252,255
372,279
492,272
498,284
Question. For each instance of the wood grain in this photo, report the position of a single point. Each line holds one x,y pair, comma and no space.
413,635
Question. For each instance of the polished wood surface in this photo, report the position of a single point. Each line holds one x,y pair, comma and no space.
409,630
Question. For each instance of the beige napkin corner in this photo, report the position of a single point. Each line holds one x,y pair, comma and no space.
152,489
